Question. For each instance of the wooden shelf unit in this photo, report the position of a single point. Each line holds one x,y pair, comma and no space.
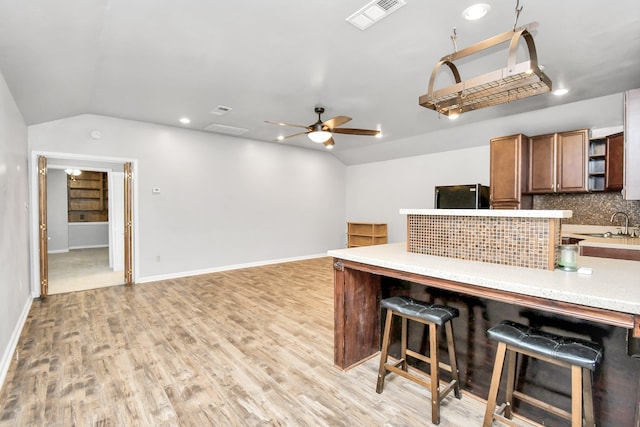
365,234
88,197
606,163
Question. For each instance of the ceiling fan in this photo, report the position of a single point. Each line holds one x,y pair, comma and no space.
322,132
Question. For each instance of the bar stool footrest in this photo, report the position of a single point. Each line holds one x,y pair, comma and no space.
542,405
446,390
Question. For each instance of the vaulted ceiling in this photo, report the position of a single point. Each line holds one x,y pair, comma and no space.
159,60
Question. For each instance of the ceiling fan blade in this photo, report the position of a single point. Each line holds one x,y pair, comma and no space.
290,136
336,121
351,131
329,143
287,124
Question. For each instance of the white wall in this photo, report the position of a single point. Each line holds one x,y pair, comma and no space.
223,201
116,221
57,216
88,235
15,298
377,191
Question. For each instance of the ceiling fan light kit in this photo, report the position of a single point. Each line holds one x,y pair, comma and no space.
319,136
515,81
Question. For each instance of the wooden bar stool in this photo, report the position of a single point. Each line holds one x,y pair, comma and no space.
581,356
433,316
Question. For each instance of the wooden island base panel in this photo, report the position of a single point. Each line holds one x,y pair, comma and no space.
602,307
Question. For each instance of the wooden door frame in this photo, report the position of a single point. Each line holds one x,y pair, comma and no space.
43,234
34,202
128,224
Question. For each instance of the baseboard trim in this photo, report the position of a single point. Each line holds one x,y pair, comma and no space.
157,278
58,251
88,247
5,363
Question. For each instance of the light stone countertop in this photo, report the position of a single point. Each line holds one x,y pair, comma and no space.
613,284
512,213
575,230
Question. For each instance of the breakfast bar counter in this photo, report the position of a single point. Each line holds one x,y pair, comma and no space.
603,305
612,285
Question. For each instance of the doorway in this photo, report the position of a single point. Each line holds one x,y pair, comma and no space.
85,226
62,263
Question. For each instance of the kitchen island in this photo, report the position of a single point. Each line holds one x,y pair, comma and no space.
603,306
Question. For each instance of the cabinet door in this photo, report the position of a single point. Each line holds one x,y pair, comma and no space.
506,155
614,167
542,164
571,162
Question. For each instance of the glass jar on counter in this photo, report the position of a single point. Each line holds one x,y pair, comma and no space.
568,257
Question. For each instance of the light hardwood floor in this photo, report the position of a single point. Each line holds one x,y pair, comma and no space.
250,347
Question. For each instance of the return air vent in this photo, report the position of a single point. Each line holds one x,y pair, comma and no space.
373,12
220,110
227,130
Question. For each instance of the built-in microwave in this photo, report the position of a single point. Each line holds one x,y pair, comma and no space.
474,196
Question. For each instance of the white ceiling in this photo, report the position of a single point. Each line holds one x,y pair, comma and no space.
159,60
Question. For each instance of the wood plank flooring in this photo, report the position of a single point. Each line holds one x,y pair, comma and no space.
250,347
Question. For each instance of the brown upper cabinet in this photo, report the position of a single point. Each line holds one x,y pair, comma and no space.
558,163
542,158
509,171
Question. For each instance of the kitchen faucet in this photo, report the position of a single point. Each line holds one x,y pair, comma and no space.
626,221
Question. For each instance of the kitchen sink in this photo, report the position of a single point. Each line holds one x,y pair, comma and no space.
605,235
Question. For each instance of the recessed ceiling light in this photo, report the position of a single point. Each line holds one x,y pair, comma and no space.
185,120
476,11
280,137
560,92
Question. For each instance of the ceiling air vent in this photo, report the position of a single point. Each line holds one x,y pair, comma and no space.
373,12
227,130
220,110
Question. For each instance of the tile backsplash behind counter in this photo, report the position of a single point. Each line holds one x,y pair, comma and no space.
590,208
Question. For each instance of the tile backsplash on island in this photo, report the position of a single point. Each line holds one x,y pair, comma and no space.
500,237
590,208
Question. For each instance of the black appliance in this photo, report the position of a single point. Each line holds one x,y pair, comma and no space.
473,196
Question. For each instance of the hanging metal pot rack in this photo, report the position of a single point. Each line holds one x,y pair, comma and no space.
515,81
